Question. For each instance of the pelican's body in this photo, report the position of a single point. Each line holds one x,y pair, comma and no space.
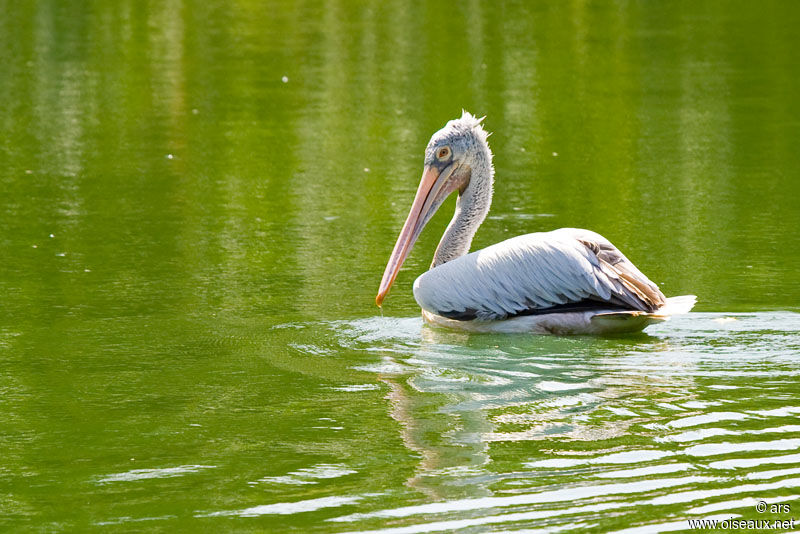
567,281
548,282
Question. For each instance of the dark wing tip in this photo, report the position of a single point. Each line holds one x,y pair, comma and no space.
467,315
641,288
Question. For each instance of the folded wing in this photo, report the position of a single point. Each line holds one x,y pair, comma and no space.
550,272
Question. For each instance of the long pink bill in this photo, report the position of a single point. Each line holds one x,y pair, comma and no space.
431,189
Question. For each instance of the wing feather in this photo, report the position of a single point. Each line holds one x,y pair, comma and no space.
534,272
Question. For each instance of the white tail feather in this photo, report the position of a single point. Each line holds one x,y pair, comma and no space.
678,305
633,321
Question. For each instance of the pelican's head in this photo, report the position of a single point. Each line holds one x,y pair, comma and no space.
457,158
462,142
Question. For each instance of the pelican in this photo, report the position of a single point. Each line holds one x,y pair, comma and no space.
567,281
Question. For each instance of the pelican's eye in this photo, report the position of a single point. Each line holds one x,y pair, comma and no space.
443,152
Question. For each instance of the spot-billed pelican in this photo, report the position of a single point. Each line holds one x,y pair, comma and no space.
568,281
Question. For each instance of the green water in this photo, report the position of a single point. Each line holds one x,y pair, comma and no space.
197,201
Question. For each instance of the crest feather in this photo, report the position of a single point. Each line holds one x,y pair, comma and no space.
468,121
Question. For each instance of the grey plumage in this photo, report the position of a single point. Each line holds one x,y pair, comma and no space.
536,272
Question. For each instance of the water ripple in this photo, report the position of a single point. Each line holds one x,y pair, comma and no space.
287,508
555,432
144,474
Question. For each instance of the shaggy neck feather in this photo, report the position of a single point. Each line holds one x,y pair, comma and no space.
471,209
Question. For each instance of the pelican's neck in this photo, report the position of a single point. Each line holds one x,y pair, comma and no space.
471,209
